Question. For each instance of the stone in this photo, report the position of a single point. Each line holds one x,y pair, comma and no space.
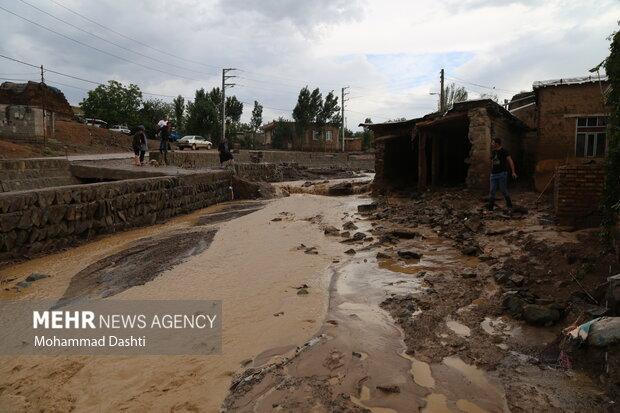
349,226
473,223
604,332
468,273
517,279
366,208
36,277
389,388
358,236
513,304
404,233
409,255
332,231
341,189
540,315
382,255
23,284
350,251
302,291
470,250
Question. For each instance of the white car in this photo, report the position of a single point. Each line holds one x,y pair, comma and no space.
193,141
120,128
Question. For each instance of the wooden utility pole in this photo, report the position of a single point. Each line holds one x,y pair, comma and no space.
442,92
43,103
225,77
344,93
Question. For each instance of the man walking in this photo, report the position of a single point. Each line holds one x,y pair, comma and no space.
164,138
501,164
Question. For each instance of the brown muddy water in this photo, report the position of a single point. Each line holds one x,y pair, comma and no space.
248,255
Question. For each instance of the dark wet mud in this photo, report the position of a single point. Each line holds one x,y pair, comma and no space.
230,212
140,263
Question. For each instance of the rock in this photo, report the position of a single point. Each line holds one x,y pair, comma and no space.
604,332
36,277
278,219
468,273
470,250
513,304
358,236
356,354
382,256
366,208
409,255
540,315
498,231
500,277
349,226
245,362
517,279
404,233
391,388
302,291
332,231
341,189
350,251
473,224
23,284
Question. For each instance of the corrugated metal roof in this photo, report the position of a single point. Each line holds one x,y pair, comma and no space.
569,81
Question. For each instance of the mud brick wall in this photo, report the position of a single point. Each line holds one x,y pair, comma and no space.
210,159
480,128
259,172
578,194
25,174
45,220
557,107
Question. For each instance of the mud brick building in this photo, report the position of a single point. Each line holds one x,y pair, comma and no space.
443,149
575,189
28,111
315,139
569,122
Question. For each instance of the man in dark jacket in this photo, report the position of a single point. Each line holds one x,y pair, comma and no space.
137,142
501,164
226,157
164,139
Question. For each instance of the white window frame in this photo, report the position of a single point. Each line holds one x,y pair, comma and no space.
591,135
315,135
328,135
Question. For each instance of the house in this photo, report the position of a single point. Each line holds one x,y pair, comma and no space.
28,111
315,139
568,118
442,149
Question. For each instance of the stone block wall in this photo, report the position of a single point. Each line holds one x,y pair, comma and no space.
578,194
259,172
26,174
480,127
25,123
45,220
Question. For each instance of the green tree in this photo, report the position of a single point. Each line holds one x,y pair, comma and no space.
151,112
454,94
367,136
257,117
204,114
113,103
282,133
178,118
305,113
611,201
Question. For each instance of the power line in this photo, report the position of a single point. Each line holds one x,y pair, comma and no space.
108,41
96,48
482,86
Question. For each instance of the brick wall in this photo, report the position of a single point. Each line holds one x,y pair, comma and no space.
45,220
578,194
353,145
557,106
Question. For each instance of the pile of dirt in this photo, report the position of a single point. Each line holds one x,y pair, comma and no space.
36,94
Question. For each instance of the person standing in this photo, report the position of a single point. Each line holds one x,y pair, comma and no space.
136,145
226,157
164,139
501,164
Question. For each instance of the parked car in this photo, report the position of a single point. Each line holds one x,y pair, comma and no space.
175,136
193,141
98,123
120,128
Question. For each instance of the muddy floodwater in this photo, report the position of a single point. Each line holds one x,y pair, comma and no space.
297,296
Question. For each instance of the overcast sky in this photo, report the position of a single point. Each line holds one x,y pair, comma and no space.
388,52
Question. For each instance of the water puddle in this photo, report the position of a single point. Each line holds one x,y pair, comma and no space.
458,328
436,403
421,372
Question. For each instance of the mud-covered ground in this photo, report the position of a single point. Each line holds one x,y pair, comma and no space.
479,300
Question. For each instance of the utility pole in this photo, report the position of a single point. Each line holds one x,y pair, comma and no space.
344,93
442,92
43,99
225,84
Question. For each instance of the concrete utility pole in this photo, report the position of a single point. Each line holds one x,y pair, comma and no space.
442,92
225,77
344,93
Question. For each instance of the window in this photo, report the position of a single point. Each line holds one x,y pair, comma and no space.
591,138
316,135
328,135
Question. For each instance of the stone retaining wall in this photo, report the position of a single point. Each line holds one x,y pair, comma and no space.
578,194
210,159
25,174
45,220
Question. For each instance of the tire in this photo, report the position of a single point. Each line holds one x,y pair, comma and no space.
194,147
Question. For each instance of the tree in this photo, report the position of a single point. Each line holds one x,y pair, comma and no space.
113,103
367,136
257,117
178,104
611,199
304,113
454,94
204,114
152,111
491,96
282,132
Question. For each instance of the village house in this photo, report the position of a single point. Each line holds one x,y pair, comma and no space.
568,119
315,139
28,111
442,149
